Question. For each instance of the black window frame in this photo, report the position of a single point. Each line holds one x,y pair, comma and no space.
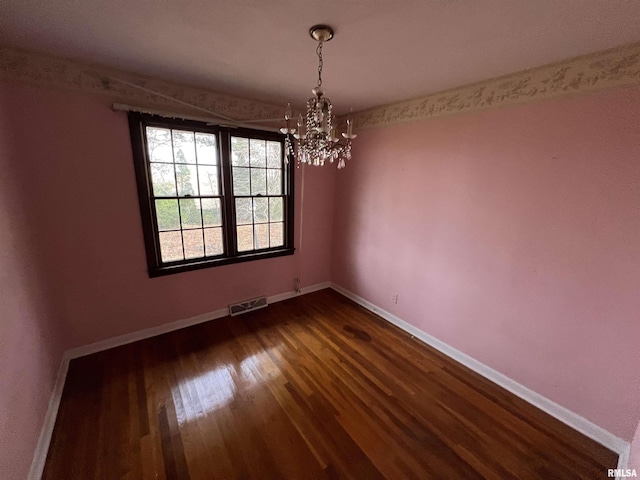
156,267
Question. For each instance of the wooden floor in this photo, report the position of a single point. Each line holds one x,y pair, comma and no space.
310,388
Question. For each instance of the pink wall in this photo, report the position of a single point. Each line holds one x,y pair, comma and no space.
72,262
513,236
30,347
78,164
634,458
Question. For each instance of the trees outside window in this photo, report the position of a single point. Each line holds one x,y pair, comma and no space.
210,195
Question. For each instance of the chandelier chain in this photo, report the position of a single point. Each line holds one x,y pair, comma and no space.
319,52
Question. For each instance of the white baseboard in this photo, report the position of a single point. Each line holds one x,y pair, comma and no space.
575,421
144,334
42,447
177,325
303,291
623,459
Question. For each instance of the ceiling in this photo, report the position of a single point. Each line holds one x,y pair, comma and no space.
383,51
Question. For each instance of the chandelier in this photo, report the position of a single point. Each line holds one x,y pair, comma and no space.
315,137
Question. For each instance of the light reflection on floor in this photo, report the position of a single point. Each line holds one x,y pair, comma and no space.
203,394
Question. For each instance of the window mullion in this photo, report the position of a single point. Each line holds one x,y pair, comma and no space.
228,219
175,174
197,167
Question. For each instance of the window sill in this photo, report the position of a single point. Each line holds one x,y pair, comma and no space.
199,264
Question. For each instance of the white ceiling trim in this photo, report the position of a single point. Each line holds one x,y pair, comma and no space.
608,69
123,87
611,68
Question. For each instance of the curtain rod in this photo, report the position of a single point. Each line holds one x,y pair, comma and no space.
122,107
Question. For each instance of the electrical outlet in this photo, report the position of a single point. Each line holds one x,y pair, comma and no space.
394,297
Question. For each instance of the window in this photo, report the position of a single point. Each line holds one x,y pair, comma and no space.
210,195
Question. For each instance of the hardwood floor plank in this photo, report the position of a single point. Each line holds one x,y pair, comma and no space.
172,449
314,387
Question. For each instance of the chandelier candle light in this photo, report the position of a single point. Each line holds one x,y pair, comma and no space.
315,136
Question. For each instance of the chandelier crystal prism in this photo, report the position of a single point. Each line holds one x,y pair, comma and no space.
315,138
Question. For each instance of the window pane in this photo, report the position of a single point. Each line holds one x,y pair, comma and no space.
187,177
193,246
276,234
274,155
258,181
274,181
207,148
171,246
190,213
163,177
241,181
208,177
159,144
239,152
258,153
261,236
245,238
211,212
167,214
275,209
244,212
213,242
260,210
184,150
